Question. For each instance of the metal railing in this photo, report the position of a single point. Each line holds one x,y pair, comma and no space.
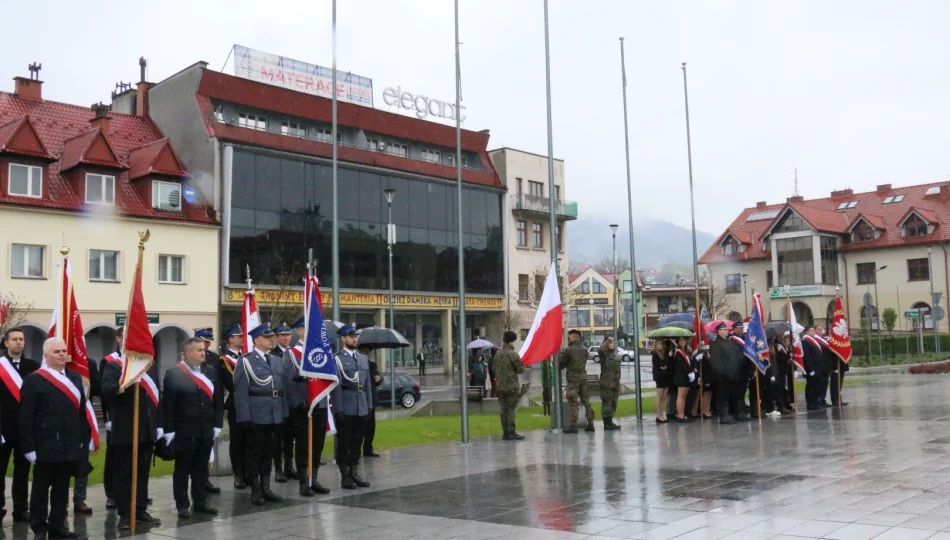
542,205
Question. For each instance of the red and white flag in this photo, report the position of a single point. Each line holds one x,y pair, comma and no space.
138,351
544,338
67,324
797,352
839,335
250,319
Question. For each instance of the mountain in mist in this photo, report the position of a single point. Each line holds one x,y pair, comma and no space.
657,241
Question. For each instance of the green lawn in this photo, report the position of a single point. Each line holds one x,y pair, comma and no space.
403,432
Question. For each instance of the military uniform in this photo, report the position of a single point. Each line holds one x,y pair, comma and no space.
259,400
350,402
609,385
574,360
507,365
284,453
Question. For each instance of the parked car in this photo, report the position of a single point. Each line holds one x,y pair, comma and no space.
408,392
593,353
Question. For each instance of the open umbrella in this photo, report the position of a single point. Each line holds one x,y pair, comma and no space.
376,337
777,328
675,318
480,344
679,324
669,332
332,326
711,326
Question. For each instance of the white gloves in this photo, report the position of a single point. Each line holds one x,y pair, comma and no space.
109,425
92,445
169,437
812,374
159,433
217,431
31,457
773,379
692,377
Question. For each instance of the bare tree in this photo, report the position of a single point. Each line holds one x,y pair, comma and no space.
531,297
575,267
607,266
508,319
713,296
285,308
13,311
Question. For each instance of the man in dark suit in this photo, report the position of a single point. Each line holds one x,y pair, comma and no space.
213,361
54,437
16,367
193,408
370,434
82,480
814,369
108,467
236,431
284,453
122,405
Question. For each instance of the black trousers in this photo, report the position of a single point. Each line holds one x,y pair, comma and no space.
729,394
814,389
191,462
369,432
422,368
237,447
123,478
790,386
260,449
823,387
296,423
834,386
108,469
50,495
21,476
319,439
349,436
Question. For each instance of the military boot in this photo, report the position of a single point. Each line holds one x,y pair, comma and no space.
269,495
347,481
515,436
354,474
305,488
289,470
608,425
569,430
590,427
614,424
257,497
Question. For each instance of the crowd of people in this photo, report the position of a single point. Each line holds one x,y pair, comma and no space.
714,381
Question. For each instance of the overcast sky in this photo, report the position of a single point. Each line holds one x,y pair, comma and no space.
851,93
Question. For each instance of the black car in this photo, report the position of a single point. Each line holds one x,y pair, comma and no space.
407,391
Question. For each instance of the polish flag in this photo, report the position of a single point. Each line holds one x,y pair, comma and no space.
250,319
544,338
798,353
67,324
138,349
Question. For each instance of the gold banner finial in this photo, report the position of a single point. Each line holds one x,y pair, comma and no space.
143,237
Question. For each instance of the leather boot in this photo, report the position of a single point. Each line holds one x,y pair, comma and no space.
316,487
305,488
266,492
354,474
589,428
289,470
257,497
239,481
347,481
608,425
279,472
614,424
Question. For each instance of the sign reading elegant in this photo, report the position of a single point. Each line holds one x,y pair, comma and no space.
300,76
352,299
422,105
795,291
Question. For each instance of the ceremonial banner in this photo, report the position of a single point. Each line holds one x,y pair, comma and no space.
316,362
250,319
67,324
756,347
137,348
839,337
797,353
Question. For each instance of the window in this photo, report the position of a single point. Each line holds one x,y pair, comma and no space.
847,204
523,287
915,226
579,317
522,234
866,273
560,238
598,288
893,199
537,230
760,216
627,286
796,264
524,334
829,261
252,121
519,188
166,196
666,304
218,113
932,191
27,261
326,135
397,149
768,279
918,270
103,265
100,189
535,189
790,223
539,280
25,181
862,232
432,155
557,192
170,269
733,283
583,288
730,246
464,161
293,129
604,316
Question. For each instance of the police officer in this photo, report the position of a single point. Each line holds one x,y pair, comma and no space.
609,382
350,403
259,400
213,361
237,431
508,366
285,433
298,424
574,360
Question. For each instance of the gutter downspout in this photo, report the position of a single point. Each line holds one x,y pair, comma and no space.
946,275
847,295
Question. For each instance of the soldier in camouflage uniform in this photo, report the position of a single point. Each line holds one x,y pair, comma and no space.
507,368
609,382
574,360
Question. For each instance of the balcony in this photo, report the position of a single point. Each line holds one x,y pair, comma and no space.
535,205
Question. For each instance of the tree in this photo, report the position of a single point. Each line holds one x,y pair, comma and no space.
13,311
607,266
285,308
508,319
714,297
532,297
889,318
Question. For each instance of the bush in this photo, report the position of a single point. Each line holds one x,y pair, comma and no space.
889,318
929,369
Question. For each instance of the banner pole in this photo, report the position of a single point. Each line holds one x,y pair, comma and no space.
309,448
758,395
702,415
135,456
839,385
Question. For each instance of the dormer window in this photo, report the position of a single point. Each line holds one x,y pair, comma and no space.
862,232
730,246
915,226
100,189
25,181
893,199
166,196
847,205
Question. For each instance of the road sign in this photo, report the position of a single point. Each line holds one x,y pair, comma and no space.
939,313
935,298
868,301
912,314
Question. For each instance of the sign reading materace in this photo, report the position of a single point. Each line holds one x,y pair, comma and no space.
300,76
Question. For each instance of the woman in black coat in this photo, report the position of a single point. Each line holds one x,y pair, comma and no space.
662,376
682,371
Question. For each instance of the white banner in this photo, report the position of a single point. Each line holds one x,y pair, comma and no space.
300,76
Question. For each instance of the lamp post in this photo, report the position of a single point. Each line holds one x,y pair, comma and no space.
934,305
745,297
463,358
613,231
877,307
390,240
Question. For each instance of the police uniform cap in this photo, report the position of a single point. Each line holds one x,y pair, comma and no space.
347,330
262,330
236,331
722,326
282,329
206,334
737,326
299,324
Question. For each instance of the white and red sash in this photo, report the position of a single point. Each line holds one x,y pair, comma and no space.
93,426
679,352
812,340
114,357
74,395
231,360
739,341
822,340
203,382
297,351
11,377
150,388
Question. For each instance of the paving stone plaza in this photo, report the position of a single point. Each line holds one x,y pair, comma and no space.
877,468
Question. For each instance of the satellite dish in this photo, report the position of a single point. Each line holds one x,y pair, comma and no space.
190,195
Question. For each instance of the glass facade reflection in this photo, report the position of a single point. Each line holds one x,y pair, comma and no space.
281,207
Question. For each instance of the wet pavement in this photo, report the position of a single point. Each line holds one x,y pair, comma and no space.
879,468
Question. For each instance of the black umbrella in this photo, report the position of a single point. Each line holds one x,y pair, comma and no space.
376,337
669,320
775,329
679,324
332,327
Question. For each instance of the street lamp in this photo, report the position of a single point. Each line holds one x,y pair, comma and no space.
934,305
613,231
390,240
877,307
745,297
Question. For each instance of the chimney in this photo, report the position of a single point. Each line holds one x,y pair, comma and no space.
884,187
101,119
32,88
843,193
795,199
760,204
141,94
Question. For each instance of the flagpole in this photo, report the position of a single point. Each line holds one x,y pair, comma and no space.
335,262
692,213
311,270
135,455
788,308
463,356
839,385
758,395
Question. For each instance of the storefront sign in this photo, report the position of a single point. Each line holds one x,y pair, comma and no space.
120,318
795,291
355,299
300,76
422,105
590,301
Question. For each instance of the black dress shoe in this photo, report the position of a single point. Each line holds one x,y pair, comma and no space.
82,508
814,408
371,454
110,504
279,476
726,420
125,524
317,488
658,421
211,488
184,513
569,430
56,532
22,516
146,518
205,509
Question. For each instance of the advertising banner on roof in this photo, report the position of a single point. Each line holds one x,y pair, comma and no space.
300,76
